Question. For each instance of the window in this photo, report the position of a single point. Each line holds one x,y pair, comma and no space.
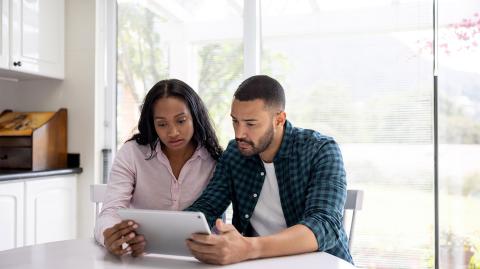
199,42
360,71
351,70
142,60
459,133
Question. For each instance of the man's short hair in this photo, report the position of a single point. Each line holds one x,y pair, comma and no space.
262,87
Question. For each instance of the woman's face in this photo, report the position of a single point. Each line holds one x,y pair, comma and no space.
173,122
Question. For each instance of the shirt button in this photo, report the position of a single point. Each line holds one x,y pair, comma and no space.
246,216
262,173
255,195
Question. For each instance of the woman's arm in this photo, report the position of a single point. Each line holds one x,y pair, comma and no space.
119,191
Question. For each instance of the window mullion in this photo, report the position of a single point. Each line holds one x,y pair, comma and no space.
251,38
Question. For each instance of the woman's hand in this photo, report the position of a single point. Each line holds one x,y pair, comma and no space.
124,232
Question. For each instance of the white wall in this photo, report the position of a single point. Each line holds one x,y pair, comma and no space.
7,94
76,93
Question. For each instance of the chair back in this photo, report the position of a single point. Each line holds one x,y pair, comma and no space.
97,196
354,202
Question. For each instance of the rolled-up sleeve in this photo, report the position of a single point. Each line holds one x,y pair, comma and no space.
326,196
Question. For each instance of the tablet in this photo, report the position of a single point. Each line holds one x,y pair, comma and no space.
166,231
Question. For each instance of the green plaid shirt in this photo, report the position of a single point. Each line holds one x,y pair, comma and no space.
311,183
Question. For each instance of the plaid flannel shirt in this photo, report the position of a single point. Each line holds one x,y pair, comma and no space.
311,183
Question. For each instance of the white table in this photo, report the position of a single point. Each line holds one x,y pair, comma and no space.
85,253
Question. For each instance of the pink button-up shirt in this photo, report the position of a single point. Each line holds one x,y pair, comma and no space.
150,184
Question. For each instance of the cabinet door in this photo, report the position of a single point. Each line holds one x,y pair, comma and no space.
37,38
4,54
11,220
50,210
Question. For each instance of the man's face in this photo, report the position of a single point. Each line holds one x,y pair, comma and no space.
253,125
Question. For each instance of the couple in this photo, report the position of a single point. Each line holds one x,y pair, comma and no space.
287,185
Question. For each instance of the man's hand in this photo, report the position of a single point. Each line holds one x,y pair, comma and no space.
229,246
124,232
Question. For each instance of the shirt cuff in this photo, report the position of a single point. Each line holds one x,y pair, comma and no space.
101,226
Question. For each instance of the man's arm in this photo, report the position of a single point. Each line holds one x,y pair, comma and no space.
326,196
215,199
229,246
294,240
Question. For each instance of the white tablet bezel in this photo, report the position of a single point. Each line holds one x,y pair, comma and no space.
166,231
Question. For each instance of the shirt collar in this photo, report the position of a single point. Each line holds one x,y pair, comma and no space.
285,147
200,151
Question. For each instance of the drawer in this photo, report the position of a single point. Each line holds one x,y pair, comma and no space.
15,141
15,158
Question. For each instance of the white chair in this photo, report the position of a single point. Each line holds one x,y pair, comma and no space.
97,196
354,202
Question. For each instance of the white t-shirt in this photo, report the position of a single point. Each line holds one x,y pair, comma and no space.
268,215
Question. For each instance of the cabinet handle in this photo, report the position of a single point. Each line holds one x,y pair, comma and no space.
17,63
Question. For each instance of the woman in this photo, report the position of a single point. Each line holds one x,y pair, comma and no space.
164,166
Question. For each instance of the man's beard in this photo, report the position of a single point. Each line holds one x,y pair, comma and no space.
263,144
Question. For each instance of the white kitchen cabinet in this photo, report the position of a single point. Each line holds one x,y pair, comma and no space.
11,219
37,210
4,44
50,209
36,38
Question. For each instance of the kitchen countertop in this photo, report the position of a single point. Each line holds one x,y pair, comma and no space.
6,175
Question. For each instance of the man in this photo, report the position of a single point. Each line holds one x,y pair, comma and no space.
287,185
